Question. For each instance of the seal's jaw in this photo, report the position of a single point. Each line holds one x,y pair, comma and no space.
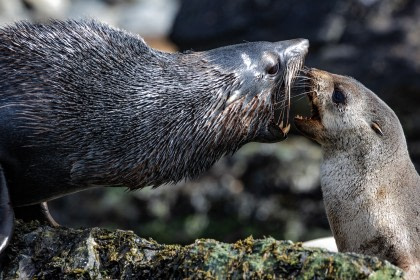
277,126
273,133
292,56
312,126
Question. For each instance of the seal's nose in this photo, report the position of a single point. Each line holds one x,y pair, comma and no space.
295,47
301,45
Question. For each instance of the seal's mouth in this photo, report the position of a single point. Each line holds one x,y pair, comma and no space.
315,114
279,124
310,126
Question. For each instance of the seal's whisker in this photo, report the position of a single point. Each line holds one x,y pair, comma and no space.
300,98
281,106
305,69
300,85
293,67
303,78
300,95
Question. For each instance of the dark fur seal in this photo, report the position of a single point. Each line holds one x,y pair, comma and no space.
83,104
369,184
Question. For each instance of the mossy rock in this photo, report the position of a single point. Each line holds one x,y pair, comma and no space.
42,252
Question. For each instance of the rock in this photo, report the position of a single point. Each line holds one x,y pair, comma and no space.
11,10
327,243
149,18
41,252
47,9
209,23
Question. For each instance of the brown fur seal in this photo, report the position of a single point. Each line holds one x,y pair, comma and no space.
370,186
83,104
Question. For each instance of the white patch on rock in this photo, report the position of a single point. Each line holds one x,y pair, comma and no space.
93,259
26,268
327,243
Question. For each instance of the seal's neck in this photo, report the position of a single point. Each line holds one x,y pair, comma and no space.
364,165
368,196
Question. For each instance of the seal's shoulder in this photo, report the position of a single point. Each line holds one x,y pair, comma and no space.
59,39
68,31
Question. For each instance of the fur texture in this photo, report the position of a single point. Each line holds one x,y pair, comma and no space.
83,104
369,184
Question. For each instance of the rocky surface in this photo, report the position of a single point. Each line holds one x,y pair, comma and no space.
150,18
42,252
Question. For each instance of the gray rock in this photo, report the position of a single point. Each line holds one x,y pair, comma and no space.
42,252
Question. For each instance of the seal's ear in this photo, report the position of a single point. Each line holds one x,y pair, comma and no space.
375,126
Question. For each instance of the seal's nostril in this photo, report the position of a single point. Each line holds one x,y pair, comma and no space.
304,43
295,47
300,45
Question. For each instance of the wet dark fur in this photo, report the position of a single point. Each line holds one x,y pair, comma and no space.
83,104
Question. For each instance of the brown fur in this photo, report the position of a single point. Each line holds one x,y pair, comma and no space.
369,184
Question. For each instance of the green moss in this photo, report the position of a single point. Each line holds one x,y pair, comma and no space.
98,253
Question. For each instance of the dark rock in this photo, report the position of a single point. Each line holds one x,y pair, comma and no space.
203,24
42,252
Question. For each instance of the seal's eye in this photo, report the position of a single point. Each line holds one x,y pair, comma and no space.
273,69
338,97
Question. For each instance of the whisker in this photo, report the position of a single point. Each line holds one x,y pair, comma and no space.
295,72
303,77
282,106
300,85
301,94
305,69
300,98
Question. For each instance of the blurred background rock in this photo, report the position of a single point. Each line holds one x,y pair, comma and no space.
263,189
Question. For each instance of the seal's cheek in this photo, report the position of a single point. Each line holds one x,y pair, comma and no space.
310,128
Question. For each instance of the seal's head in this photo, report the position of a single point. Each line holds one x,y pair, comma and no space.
264,73
345,113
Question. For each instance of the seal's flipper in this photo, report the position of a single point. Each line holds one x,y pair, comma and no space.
47,215
7,216
38,212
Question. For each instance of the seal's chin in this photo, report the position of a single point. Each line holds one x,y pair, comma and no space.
273,133
311,126
277,126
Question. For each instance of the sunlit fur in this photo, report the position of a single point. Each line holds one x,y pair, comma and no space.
369,184
97,106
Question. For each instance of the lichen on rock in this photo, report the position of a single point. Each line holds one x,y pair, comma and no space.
42,252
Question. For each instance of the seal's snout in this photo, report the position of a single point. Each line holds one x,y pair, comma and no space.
265,73
289,56
300,45
319,74
312,126
295,47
